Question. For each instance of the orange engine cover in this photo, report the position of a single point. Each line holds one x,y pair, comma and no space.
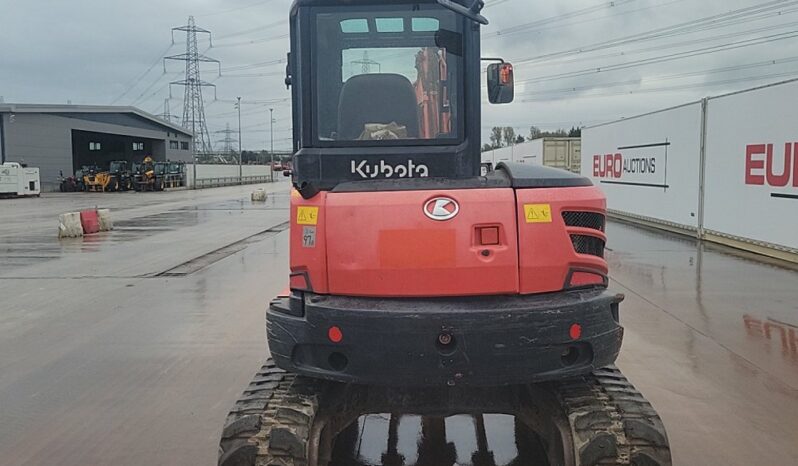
464,242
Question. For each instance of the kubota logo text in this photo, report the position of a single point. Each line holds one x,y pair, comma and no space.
386,170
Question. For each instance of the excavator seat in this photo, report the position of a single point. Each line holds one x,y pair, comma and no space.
376,98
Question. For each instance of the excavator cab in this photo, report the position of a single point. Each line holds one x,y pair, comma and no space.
419,284
384,90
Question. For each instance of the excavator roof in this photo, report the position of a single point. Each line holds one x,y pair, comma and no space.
298,3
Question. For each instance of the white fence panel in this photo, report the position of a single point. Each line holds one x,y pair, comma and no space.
752,165
210,176
530,152
649,165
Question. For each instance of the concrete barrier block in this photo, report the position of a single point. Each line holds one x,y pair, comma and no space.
69,225
106,222
90,222
259,196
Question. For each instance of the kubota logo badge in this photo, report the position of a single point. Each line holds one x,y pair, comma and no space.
441,209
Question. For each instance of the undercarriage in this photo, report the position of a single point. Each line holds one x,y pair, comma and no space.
597,419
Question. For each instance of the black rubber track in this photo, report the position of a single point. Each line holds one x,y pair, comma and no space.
270,424
611,422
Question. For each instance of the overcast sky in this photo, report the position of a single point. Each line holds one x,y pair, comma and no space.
100,51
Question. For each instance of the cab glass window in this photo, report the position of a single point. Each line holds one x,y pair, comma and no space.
388,75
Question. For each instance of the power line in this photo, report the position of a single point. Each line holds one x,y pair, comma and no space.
251,66
255,111
253,42
256,29
253,75
489,4
231,10
667,58
489,36
135,82
142,98
672,45
675,88
719,20
546,21
691,74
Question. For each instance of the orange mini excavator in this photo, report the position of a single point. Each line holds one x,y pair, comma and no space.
417,285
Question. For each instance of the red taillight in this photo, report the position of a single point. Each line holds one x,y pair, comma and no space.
586,279
335,335
576,332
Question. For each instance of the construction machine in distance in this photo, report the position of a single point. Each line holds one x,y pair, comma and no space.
116,178
120,176
150,175
177,174
94,179
418,284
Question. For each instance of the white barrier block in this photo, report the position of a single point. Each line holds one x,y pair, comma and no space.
106,223
69,225
259,196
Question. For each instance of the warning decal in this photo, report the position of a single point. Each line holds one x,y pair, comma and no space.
537,213
307,215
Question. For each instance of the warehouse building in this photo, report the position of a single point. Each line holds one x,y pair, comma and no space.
62,138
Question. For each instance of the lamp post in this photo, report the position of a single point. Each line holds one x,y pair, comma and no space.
240,152
271,152
196,156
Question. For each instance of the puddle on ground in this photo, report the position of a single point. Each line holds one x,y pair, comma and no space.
462,440
23,251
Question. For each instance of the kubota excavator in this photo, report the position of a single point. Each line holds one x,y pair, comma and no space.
417,284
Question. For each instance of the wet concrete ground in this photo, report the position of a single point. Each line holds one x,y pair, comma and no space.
108,358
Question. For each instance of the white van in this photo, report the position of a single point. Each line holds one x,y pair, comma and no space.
16,180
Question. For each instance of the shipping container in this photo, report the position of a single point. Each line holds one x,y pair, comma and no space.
564,153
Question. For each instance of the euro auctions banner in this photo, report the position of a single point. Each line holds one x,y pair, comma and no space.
752,165
648,165
634,166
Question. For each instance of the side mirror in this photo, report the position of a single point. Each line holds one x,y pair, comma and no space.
501,83
286,173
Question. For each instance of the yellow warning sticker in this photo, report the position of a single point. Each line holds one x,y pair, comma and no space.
307,215
537,213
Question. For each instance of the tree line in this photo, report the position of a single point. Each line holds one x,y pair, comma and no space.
506,136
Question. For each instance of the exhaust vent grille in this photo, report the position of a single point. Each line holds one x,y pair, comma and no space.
590,245
590,220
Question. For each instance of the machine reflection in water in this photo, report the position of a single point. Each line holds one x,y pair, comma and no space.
411,440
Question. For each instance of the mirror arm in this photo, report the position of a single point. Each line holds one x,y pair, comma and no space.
500,60
470,13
